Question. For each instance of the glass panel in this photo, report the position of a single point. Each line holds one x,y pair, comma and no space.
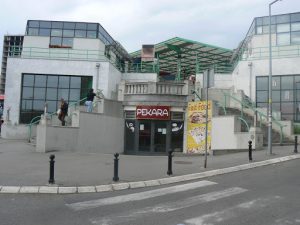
67,42
44,32
276,107
52,106
26,105
287,96
64,81
27,92
266,20
68,33
51,94
262,83
56,32
38,105
92,26
56,41
40,81
295,26
129,135
91,34
81,26
63,93
287,82
26,117
259,21
52,81
287,107
74,94
39,93
295,17
75,82
28,80
259,30
144,135
33,23
160,136
33,31
283,28
80,33
68,25
275,83
57,25
45,24
283,18
283,39
177,129
276,96
295,37
266,29
262,96
262,105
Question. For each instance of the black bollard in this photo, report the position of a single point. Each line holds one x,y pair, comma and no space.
250,150
169,172
116,167
296,144
51,177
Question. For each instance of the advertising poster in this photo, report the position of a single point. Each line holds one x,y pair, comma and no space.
196,127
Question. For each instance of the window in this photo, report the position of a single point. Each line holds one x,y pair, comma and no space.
283,39
80,33
44,32
295,38
295,26
56,32
68,33
92,34
283,28
45,24
33,31
38,89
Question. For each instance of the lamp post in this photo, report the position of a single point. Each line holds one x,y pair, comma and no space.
270,83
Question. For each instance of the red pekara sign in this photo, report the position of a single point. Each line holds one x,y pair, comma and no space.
153,112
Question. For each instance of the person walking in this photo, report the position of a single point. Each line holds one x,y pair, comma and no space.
89,100
63,111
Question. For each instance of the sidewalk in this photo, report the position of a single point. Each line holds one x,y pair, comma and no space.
20,165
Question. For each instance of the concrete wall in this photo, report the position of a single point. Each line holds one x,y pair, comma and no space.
140,77
51,138
100,133
12,131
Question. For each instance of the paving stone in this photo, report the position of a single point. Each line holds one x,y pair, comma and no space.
87,189
138,184
151,183
67,190
10,189
48,190
29,189
120,186
103,188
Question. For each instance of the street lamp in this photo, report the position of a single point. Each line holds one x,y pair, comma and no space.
270,83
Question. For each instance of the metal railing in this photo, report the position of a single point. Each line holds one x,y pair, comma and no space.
37,119
249,105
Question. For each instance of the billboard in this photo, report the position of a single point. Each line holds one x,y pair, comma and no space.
196,127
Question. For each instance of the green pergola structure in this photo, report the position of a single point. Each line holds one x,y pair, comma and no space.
184,57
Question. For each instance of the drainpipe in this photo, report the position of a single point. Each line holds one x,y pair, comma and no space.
97,77
250,64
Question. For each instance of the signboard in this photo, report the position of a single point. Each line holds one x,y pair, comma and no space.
152,112
196,127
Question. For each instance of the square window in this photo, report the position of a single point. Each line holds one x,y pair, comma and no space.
262,83
74,94
68,33
262,96
40,81
51,94
52,106
45,24
81,26
52,81
287,96
295,26
285,27
39,93
33,23
283,39
55,41
27,93
44,32
56,32
69,25
295,38
28,80
80,33
64,82
295,17
57,25
38,105
75,82
92,34
287,82
67,42
63,93
92,26
26,105
283,18
33,32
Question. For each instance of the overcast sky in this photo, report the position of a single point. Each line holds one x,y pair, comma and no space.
223,23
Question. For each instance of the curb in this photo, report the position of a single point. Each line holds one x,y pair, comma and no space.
137,184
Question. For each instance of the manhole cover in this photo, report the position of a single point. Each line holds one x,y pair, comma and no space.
182,162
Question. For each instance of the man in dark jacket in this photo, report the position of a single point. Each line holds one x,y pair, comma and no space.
63,111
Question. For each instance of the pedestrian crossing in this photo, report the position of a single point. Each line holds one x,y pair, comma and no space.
134,215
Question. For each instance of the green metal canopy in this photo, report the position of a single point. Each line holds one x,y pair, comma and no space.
186,57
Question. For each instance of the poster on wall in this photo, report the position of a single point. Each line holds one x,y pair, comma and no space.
196,127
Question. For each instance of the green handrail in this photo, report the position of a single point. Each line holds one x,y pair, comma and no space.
37,119
260,113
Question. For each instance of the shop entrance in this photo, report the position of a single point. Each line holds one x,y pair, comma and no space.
153,136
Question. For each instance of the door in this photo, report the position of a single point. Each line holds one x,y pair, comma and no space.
160,136
144,136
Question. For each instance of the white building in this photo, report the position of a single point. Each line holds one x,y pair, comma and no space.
64,59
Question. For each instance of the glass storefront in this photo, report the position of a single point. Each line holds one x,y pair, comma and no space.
285,95
38,89
153,136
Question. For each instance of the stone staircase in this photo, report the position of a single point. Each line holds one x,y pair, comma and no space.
250,121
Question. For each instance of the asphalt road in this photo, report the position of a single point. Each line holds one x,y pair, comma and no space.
263,196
